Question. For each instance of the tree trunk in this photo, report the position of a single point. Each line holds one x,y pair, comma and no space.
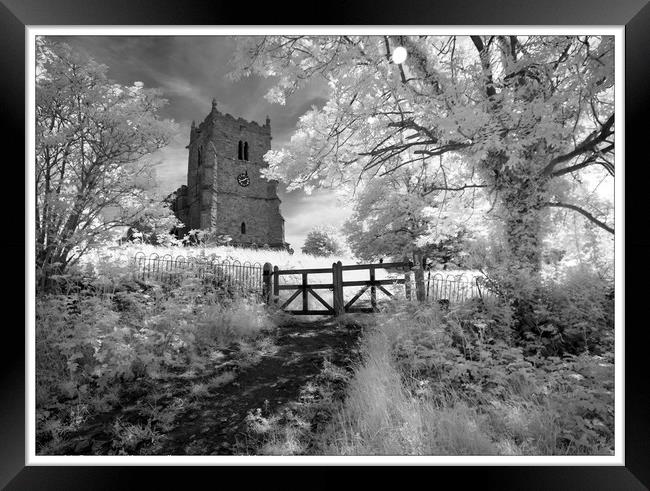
522,199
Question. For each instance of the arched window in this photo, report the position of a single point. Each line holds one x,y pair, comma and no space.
198,166
246,151
243,227
240,151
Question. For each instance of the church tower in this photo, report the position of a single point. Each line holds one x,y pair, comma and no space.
225,192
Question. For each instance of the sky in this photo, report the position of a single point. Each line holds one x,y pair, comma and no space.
191,71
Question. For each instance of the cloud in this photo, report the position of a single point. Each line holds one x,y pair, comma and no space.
171,169
303,212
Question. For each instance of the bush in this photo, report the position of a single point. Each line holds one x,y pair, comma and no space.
575,314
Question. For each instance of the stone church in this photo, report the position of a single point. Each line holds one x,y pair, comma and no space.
225,192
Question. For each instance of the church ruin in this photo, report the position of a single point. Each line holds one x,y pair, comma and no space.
225,192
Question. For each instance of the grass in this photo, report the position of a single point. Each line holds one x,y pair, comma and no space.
415,393
381,416
123,253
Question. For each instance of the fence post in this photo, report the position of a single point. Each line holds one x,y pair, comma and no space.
266,283
337,290
305,298
276,285
373,289
419,279
407,281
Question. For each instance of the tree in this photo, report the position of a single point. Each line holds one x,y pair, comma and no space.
528,117
321,241
92,137
395,216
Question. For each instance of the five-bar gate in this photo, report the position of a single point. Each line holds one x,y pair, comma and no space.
338,305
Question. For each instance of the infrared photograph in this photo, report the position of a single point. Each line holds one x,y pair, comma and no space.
340,244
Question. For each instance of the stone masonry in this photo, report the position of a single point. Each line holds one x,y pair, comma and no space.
225,192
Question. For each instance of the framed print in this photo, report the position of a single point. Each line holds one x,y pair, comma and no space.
396,237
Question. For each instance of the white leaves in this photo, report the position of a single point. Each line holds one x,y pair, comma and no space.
276,95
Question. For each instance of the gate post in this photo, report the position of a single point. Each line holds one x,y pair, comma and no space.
419,278
276,285
337,289
266,283
305,293
373,289
407,281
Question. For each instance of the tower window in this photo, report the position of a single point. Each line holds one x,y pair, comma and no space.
243,227
246,151
198,166
240,150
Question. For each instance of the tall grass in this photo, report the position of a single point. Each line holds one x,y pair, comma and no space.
123,253
424,388
381,415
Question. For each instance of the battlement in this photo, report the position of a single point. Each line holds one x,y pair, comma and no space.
215,115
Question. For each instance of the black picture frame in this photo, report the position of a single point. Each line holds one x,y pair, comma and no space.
15,15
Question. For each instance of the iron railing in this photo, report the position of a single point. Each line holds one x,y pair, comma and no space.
456,287
244,277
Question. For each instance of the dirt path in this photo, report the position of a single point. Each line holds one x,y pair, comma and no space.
216,425
168,417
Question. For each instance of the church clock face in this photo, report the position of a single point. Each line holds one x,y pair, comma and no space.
243,180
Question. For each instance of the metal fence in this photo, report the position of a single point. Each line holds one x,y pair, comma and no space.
244,277
456,287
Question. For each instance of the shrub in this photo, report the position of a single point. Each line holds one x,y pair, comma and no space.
576,314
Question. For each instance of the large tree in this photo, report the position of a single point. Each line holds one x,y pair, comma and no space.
526,116
92,137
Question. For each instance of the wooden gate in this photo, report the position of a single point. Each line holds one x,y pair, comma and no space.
338,305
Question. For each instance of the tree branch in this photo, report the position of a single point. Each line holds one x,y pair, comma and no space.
591,160
587,145
447,188
584,213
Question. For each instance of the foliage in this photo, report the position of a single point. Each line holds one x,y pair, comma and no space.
576,314
152,228
321,241
572,308
396,216
92,140
456,383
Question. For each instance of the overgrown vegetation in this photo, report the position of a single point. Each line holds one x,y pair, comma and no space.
462,383
126,359
121,363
